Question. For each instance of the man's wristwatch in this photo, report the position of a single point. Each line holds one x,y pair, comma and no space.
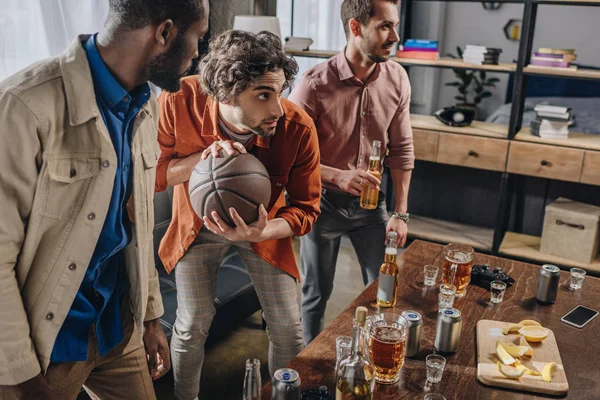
403,217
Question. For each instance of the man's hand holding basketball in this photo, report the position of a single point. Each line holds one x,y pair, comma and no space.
231,147
242,231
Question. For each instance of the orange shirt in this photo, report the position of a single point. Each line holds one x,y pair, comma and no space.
189,124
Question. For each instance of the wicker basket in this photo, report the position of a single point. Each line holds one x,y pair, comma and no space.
571,230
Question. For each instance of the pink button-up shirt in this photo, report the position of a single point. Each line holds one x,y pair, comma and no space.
350,114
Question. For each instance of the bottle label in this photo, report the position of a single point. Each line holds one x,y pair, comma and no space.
385,290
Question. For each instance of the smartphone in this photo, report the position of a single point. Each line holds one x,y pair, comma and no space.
579,317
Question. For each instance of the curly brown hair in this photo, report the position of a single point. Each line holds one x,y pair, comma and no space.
237,59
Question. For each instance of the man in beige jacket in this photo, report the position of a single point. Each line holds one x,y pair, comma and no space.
78,151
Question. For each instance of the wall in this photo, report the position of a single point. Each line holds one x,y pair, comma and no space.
469,23
222,12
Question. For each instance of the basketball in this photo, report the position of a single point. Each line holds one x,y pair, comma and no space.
240,181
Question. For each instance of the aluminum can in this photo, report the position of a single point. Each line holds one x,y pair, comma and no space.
415,327
547,288
447,335
286,385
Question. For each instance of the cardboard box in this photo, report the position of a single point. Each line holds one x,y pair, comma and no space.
571,230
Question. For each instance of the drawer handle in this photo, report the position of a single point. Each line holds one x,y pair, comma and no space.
472,153
544,163
561,222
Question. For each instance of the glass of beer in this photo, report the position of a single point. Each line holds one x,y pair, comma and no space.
458,264
369,196
387,346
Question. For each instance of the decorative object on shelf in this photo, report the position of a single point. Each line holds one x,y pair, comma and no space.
294,43
455,116
571,230
512,29
257,23
419,49
481,55
468,80
551,122
491,5
547,57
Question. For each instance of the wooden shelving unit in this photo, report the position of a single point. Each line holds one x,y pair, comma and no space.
527,247
580,73
444,62
576,140
477,128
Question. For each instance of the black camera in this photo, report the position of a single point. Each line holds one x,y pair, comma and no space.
482,275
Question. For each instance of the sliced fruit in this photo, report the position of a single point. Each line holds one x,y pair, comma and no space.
510,372
523,342
528,371
534,334
530,322
549,371
515,351
503,354
511,328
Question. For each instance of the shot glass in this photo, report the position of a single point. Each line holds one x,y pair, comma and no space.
497,288
577,275
434,396
446,296
431,273
343,348
435,367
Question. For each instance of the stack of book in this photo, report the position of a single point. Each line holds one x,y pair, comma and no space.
552,122
419,49
481,55
547,57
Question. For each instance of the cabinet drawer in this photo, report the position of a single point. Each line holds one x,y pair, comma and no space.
545,161
591,168
426,144
472,151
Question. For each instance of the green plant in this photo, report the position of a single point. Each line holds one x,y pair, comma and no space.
471,82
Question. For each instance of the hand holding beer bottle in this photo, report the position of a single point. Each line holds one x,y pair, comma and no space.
369,194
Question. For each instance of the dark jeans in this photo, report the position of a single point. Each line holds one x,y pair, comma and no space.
340,214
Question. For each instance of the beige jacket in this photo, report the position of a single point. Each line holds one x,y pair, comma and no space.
57,169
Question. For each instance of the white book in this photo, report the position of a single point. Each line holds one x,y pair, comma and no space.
566,116
551,108
476,48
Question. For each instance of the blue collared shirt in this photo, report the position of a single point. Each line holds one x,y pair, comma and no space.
98,301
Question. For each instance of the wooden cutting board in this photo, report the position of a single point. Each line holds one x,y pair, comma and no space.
488,332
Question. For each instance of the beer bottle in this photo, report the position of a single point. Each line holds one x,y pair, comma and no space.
388,273
370,195
356,374
252,380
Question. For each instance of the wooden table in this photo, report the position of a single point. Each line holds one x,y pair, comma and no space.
579,348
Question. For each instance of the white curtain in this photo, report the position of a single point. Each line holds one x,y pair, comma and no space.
31,30
316,19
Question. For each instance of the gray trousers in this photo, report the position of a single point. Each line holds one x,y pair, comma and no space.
340,214
196,276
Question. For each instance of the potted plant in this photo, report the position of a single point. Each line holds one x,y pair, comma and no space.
471,83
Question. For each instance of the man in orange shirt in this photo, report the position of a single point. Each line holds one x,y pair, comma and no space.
236,105
356,97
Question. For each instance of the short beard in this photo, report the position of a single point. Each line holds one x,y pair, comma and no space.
369,50
163,70
257,130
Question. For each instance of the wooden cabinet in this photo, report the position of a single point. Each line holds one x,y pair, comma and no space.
543,161
426,144
472,151
591,168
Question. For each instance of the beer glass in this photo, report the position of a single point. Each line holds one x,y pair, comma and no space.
387,346
458,264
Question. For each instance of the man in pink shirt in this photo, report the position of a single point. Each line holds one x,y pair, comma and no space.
356,97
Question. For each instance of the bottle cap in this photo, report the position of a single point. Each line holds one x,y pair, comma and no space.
361,314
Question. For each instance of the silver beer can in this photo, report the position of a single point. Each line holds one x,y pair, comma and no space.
415,327
286,385
447,335
547,288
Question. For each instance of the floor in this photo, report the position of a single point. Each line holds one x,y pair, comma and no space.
224,366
